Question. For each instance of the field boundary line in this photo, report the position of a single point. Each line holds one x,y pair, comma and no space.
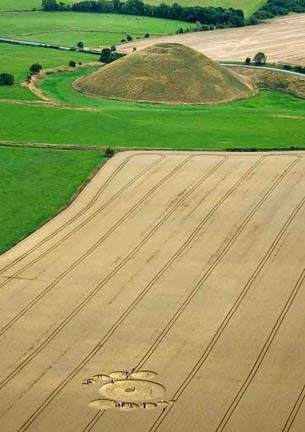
239,150
80,225
78,215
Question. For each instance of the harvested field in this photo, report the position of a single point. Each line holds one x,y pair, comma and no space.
282,40
189,265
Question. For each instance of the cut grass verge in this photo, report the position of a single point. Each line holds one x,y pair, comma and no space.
36,184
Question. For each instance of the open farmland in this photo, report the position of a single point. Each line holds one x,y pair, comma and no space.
68,28
188,265
282,40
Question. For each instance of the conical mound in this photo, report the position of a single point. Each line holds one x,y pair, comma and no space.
166,73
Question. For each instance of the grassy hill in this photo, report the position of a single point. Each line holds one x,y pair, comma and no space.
65,28
167,73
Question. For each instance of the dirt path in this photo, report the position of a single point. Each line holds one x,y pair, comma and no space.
282,40
44,99
189,265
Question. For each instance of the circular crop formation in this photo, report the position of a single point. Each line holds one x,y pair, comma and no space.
132,390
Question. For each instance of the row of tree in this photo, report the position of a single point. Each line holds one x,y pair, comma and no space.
295,68
218,16
279,7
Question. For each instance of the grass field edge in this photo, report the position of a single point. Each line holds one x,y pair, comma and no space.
67,204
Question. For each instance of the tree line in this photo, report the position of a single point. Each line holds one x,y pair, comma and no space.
217,16
278,8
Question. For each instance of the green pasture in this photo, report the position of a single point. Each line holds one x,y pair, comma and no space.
269,120
24,5
68,28
36,184
16,59
12,5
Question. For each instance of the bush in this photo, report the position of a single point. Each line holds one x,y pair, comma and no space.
72,63
252,21
6,79
113,48
129,38
108,56
105,55
35,68
80,45
147,35
260,59
109,152
300,69
123,40
248,61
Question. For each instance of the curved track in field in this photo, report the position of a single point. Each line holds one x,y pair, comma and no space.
187,264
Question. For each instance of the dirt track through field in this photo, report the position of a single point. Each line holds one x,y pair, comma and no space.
190,265
282,40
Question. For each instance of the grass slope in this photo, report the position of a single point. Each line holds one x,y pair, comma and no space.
269,120
248,6
170,73
35,184
93,29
